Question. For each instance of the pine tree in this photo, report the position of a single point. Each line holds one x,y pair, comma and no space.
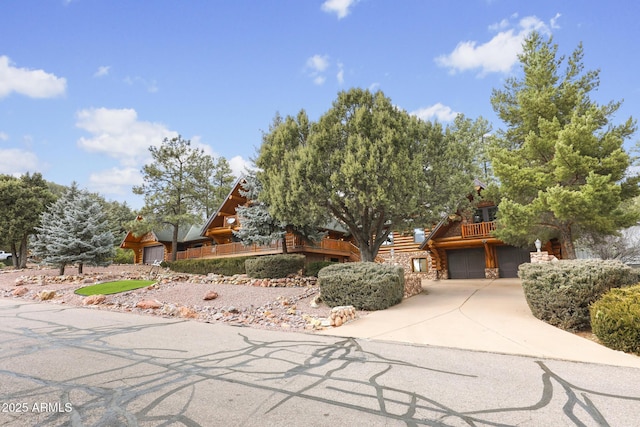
74,230
561,163
170,187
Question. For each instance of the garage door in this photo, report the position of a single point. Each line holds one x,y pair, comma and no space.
509,258
152,253
466,263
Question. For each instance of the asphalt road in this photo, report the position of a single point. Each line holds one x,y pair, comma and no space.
88,367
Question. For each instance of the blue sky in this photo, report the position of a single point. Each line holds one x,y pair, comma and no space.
86,86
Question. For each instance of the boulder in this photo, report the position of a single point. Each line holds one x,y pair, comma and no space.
94,300
148,304
210,295
187,313
46,295
19,292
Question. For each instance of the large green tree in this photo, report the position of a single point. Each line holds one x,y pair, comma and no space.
259,227
560,161
22,200
169,187
74,230
365,163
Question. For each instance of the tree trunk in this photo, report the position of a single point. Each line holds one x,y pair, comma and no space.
566,243
61,270
80,268
285,250
24,252
14,256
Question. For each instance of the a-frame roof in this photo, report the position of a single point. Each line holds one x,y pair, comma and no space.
228,207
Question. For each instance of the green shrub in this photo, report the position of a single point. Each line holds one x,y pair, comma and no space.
314,267
223,266
274,266
560,293
364,285
123,256
615,319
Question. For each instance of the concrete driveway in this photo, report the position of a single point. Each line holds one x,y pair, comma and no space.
485,315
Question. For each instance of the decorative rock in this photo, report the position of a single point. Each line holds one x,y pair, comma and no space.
148,304
341,315
170,310
46,295
210,295
94,300
19,292
187,313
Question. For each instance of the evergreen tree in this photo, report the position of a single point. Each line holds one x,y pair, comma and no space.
367,164
170,187
257,225
560,162
213,181
22,201
74,230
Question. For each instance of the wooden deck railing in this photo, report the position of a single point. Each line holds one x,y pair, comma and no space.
479,229
330,246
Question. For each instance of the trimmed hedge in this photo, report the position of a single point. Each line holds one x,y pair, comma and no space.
364,285
560,293
274,266
223,266
314,267
615,319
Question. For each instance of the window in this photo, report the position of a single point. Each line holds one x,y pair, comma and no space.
487,214
418,235
419,265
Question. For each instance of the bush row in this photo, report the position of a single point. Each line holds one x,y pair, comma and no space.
222,266
364,285
560,293
275,266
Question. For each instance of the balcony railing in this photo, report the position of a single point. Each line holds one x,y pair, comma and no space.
478,229
294,244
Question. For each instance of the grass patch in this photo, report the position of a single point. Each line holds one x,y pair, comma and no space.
108,288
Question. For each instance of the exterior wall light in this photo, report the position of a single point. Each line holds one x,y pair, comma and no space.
538,244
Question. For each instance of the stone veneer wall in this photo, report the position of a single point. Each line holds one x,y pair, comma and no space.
412,280
492,273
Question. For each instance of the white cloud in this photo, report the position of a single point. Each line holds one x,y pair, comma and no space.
554,21
16,162
440,112
3,136
102,71
340,7
119,134
317,65
319,80
239,165
31,83
115,180
340,75
498,54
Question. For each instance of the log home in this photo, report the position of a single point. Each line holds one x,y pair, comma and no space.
215,239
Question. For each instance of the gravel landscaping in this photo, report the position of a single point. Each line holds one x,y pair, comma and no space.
277,304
